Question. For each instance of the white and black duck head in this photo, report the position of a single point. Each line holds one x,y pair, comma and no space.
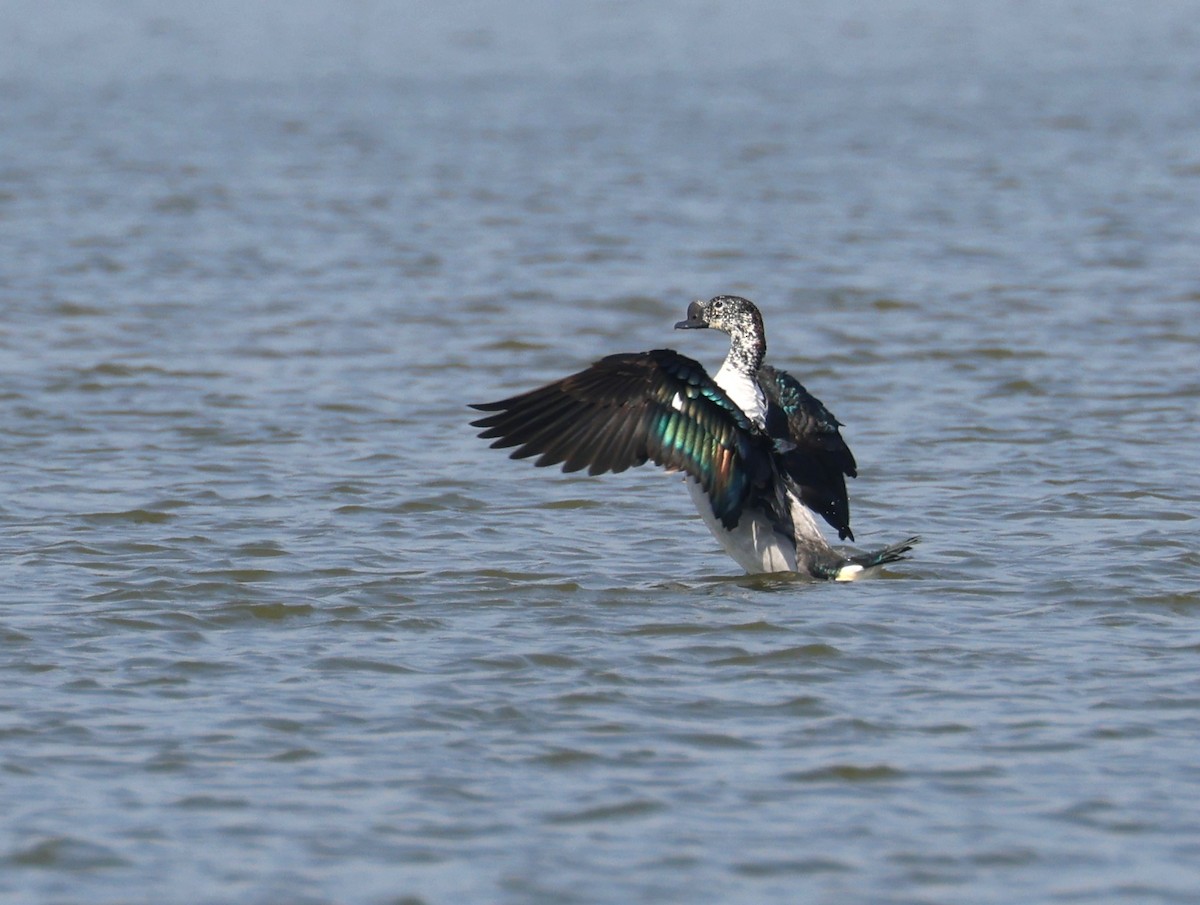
738,317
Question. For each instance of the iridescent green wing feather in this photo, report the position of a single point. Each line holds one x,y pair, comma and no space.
629,409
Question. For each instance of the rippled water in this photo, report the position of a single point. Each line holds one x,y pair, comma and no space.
275,626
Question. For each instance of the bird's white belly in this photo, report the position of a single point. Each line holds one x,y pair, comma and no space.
754,543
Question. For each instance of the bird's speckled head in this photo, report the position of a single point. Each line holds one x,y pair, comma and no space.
731,313
739,318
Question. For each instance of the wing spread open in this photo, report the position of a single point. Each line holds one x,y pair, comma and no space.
628,409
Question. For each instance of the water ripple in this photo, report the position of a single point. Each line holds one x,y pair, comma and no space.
277,627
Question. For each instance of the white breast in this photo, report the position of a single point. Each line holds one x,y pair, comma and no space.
744,391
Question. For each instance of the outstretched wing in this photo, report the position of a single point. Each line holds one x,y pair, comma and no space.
811,451
628,409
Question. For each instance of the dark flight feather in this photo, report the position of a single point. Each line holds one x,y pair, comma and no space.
811,452
629,409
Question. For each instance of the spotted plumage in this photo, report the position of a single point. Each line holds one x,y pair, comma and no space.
760,453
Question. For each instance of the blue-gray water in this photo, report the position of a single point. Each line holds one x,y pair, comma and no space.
276,627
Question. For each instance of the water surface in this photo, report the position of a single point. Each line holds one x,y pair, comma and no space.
275,626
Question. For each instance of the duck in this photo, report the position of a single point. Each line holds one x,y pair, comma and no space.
763,459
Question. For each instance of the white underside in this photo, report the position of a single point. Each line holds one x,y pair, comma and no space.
754,544
757,547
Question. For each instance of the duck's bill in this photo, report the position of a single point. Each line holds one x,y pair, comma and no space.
695,319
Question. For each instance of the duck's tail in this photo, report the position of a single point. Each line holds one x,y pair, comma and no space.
853,566
890,553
